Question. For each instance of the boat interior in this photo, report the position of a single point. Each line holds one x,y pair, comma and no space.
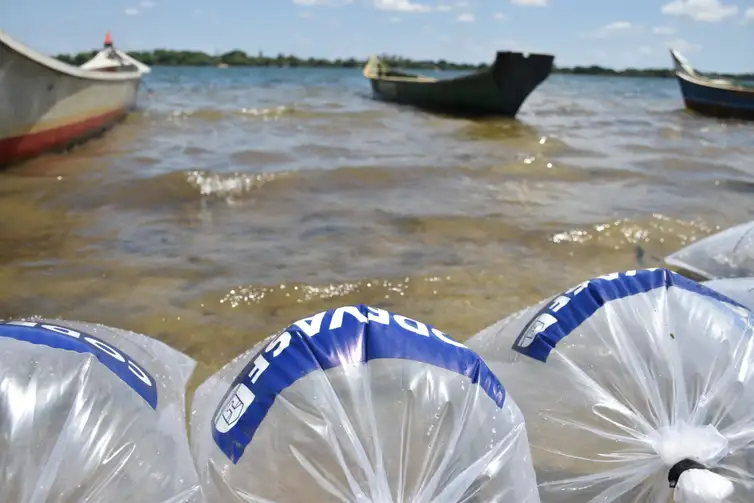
683,66
378,69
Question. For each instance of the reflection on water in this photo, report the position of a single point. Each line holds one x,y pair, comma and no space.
236,201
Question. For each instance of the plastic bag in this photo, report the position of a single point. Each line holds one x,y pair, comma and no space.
630,383
739,289
357,404
727,254
90,413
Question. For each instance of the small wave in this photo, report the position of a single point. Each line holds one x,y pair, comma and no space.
354,179
345,292
272,113
559,109
660,230
259,158
170,190
179,187
741,186
219,114
263,113
339,180
497,130
483,228
229,186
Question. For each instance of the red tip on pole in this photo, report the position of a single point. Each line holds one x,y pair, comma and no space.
108,39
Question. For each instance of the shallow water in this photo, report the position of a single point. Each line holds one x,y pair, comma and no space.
236,201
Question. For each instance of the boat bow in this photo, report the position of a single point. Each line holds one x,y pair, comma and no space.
113,59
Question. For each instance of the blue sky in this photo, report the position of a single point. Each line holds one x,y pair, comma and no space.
713,34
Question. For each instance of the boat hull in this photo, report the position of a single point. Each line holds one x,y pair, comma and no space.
712,97
47,106
716,101
499,90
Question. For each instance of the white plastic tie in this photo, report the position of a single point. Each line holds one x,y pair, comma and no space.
698,485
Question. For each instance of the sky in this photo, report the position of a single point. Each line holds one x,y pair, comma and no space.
714,35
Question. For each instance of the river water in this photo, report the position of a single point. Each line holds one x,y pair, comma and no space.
235,201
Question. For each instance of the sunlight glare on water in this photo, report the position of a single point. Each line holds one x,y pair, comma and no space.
236,201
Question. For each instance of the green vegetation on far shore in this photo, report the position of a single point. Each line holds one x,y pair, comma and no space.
164,57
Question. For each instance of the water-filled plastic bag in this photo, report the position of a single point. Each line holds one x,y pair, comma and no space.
631,383
358,404
90,413
739,289
727,254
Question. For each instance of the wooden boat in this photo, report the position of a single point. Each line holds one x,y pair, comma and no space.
47,105
111,59
713,97
499,90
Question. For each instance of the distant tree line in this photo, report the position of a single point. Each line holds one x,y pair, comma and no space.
165,57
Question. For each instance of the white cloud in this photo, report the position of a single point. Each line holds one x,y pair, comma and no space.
683,45
617,26
532,3
322,2
749,14
645,49
466,18
305,14
498,15
710,11
131,11
663,30
444,7
400,5
610,29
147,4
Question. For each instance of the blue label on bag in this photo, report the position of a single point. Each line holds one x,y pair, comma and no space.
60,337
570,309
349,335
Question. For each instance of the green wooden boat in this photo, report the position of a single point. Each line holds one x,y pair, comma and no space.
499,90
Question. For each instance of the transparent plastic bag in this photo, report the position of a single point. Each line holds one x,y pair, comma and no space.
727,254
357,404
739,289
92,414
625,378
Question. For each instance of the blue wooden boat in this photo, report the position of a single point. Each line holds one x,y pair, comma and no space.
713,97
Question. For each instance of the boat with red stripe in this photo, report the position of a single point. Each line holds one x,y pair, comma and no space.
47,105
